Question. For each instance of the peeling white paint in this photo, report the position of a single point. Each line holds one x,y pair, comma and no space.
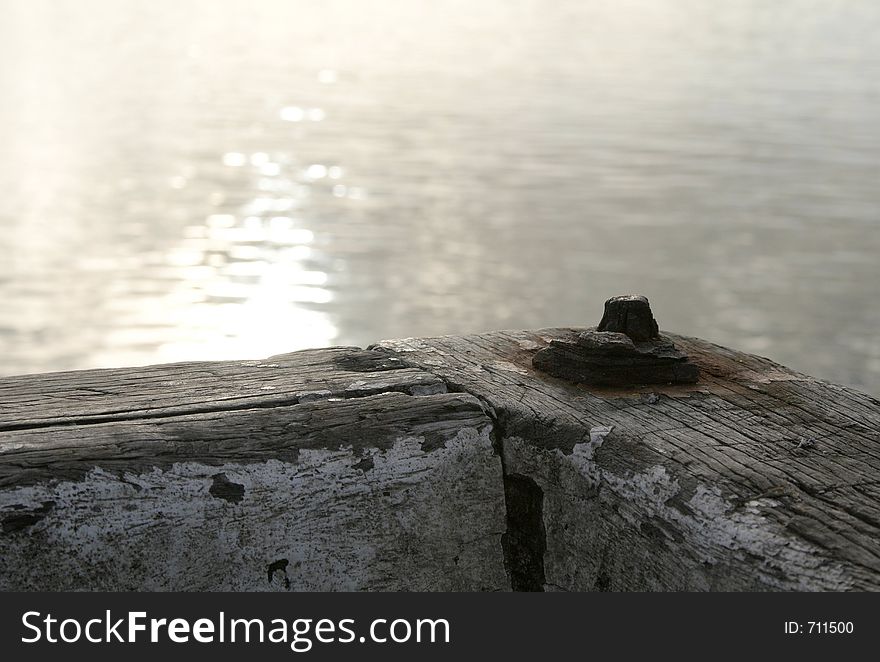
598,434
716,531
415,520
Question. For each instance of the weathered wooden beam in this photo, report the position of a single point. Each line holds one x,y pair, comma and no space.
449,463
754,478
333,469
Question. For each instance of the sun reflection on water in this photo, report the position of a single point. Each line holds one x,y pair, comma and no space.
249,178
248,281
253,272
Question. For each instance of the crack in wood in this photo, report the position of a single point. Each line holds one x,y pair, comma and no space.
697,487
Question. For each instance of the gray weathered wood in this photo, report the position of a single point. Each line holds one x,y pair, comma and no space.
437,463
754,478
320,470
97,396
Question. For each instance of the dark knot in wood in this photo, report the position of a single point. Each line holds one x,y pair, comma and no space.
626,349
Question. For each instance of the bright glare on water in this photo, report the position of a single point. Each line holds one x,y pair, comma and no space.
214,179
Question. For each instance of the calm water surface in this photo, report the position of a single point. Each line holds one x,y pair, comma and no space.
205,180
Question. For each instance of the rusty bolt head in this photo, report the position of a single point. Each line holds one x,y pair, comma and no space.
631,315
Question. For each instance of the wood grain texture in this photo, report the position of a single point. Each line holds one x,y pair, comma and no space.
444,463
98,396
350,473
754,478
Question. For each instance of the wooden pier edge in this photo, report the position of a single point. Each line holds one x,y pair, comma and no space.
445,463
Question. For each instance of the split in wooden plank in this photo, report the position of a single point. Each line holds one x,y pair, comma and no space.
754,478
381,481
438,463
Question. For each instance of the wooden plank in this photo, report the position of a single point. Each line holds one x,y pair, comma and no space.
754,478
376,487
95,396
438,463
